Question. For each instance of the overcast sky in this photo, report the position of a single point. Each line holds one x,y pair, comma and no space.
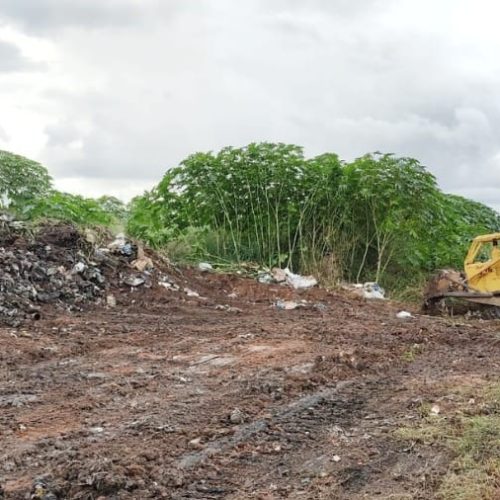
109,94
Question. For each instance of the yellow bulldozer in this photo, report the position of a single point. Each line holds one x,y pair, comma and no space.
478,283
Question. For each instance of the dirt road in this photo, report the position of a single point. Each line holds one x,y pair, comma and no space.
169,396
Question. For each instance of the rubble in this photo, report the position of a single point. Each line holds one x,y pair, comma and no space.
61,266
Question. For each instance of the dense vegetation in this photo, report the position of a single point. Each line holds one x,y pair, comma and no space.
379,217
26,190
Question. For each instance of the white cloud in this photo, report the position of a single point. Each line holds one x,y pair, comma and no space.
130,88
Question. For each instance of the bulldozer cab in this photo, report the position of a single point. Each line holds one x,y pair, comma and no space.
482,264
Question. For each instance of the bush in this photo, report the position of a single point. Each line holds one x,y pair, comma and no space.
22,181
379,217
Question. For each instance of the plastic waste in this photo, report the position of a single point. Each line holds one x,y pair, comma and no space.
121,245
279,275
142,264
265,278
297,281
404,315
287,305
79,267
134,281
372,290
111,300
204,267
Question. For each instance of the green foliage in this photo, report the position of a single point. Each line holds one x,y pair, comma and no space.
71,208
391,201
377,217
26,191
22,181
113,206
455,221
256,200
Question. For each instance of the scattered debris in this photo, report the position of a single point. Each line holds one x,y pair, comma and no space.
278,275
228,308
142,263
287,305
41,490
372,290
297,281
167,283
122,246
265,278
204,267
404,315
111,301
134,281
285,276
435,410
195,443
237,416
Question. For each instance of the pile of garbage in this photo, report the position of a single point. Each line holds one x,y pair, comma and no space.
61,266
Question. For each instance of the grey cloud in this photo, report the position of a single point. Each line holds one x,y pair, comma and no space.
331,75
44,15
61,134
11,59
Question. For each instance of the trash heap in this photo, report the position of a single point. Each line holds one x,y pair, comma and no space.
61,266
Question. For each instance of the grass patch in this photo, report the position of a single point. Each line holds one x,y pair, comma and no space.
473,438
410,354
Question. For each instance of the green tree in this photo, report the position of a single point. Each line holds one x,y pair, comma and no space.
113,206
70,208
391,200
22,181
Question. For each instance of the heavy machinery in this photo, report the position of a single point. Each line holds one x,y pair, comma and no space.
479,282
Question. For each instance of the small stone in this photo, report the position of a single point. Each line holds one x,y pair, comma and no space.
134,281
111,301
237,416
435,410
204,267
336,458
404,315
195,443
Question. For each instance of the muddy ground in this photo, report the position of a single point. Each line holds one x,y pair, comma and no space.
170,396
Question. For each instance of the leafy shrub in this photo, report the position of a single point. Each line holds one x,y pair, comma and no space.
378,215
22,181
71,208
